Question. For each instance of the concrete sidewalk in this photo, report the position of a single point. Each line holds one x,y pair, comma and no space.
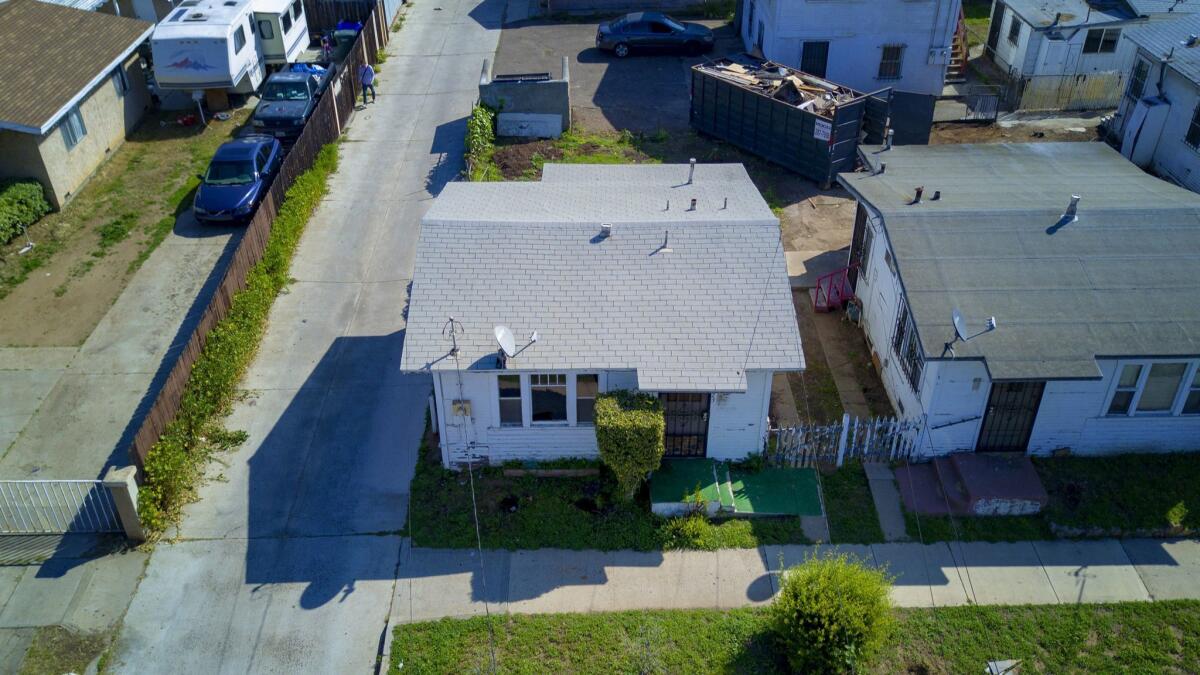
451,583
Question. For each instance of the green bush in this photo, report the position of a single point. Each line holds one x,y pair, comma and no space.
630,430
175,463
832,614
481,144
22,203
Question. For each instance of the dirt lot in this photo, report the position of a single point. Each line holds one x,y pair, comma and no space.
86,253
945,133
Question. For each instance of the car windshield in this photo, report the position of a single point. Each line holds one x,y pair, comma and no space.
285,91
672,23
230,172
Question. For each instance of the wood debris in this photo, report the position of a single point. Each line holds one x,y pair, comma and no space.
781,83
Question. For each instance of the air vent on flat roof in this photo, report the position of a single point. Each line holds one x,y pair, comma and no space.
231,3
196,16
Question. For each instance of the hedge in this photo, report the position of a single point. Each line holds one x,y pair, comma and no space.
175,464
630,431
22,203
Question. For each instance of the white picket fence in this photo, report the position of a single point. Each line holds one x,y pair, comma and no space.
879,439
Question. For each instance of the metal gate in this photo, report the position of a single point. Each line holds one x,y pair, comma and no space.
1011,410
56,507
686,417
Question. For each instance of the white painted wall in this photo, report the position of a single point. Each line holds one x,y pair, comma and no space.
1036,54
1168,155
856,31
737,421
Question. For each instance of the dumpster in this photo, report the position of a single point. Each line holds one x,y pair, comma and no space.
804,123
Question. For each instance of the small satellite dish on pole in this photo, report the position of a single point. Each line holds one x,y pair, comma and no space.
504,337
962,334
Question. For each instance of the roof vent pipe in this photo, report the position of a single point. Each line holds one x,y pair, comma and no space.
1192,40
882,168
887,139
917,196
937,194
726,204
691,170
1072,208
693,206
605,230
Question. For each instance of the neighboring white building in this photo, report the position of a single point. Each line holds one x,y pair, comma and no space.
864,44
1097,344
633,277
1158,124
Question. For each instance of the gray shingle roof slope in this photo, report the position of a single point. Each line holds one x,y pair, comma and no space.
526,255
1168,36
1152,7
1040,13
1119,281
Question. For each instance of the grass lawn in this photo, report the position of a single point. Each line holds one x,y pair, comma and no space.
89,250
849,507
991,528
978,14
575,513
55,650
1129,637
1123,494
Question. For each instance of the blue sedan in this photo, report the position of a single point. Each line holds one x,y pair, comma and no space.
237,179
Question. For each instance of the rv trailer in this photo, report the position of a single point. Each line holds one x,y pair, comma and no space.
226,44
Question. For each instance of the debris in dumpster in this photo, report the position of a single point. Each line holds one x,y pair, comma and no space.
798,89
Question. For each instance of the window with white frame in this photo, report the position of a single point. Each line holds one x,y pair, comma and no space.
548,398
508,388
1101,41
73,128
890,62
586,388
1155,388
297,9
120,81
239,39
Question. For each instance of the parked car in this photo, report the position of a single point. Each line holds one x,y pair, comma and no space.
652,32
289,98
237,178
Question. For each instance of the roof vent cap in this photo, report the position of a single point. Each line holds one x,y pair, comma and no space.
1072,208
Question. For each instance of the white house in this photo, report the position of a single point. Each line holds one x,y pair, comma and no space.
1097,337
1158,123
639,277
864,44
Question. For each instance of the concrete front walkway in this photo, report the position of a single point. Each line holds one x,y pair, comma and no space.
288,561
453,583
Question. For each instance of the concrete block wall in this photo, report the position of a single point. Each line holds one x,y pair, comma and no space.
548,97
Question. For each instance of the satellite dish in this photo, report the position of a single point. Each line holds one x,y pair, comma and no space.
508,344
960,325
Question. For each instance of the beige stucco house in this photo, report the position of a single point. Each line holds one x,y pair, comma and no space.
73,90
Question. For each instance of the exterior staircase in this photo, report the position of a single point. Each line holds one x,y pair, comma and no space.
832,291
972,484
956,71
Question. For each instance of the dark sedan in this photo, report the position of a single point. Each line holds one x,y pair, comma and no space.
238,177
652,32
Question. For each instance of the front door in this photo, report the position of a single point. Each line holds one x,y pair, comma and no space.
1011,410
687,424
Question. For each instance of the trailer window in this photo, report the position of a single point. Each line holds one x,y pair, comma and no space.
286,20
265,31
239,40
297,9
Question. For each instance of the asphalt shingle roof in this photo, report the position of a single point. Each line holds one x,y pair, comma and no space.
1169,37
53,54
1119,281
527,256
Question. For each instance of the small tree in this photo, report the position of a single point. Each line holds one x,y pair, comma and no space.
629,432
832,614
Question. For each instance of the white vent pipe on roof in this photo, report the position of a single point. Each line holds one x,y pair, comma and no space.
691,169
1072,208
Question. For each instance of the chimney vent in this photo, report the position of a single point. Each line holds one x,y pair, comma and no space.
691,170
1072,208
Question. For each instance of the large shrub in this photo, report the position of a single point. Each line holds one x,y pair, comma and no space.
481,144
629,432
22,203
832,614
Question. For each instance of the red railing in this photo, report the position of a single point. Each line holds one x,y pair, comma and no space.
833,290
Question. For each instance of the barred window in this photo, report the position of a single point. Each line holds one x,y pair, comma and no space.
890,62
907,347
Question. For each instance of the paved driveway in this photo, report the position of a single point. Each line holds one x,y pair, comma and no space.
288,560
639,93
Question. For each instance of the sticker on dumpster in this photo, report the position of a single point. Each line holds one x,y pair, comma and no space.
822,130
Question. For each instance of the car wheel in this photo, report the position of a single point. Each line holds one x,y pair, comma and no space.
621,50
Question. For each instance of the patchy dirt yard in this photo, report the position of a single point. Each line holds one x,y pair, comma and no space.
86,253
945,133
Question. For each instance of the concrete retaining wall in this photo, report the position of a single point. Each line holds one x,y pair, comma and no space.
535,106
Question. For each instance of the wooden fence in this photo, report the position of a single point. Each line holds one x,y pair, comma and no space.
879,439
323,127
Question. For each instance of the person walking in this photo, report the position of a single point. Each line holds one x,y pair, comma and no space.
366,76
